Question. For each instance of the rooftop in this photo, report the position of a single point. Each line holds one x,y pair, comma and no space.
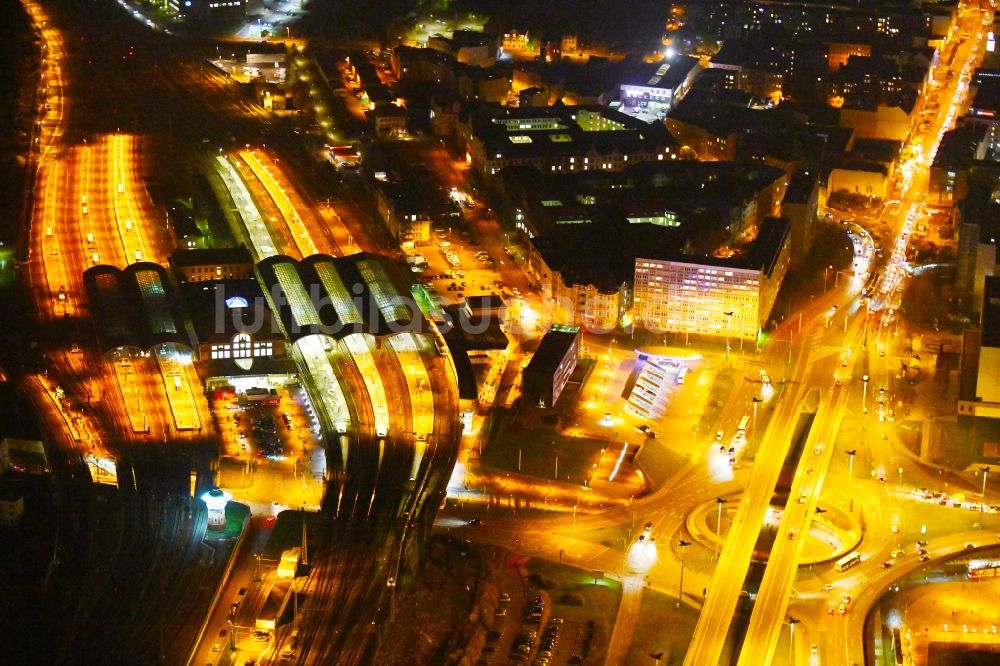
323,295
552,349
211,257
991,312
801,186
218,310
565,130
666,74
135,307
958,147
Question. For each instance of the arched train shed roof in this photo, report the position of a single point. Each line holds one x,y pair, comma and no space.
134,307
337,296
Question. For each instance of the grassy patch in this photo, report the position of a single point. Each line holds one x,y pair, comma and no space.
658,463
722,386
441,607
7,267
539,447
661,628
961,443
831,247
579,601
929,299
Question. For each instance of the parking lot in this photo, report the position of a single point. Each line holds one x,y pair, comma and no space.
270,445
458,267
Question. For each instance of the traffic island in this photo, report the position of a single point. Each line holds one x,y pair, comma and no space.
832,533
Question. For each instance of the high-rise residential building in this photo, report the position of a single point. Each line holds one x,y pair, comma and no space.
730,297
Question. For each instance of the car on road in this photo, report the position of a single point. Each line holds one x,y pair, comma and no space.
216,647
476,522
969,546
925,558
260,636
887,564
898,553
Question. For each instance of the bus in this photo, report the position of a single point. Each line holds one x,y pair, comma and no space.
681,374
847,561
744,423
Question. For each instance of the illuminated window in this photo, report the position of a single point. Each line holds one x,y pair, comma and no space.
241,346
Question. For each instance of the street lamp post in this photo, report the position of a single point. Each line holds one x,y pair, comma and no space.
791,636
867,300
756,401
729,323
680,587
864,394
982,494
850,471
718,527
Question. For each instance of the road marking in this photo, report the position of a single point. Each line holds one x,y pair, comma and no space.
822,351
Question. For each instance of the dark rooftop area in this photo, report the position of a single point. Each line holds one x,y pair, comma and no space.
991,312
219,255
552,349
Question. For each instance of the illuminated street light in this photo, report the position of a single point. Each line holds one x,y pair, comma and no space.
682,544
791,637
718,526
729,322
864,394
850,471
756,401
982,495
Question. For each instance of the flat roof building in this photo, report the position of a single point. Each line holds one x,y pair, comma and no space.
659,85
223,263
562,139
232,325
979,391
545,376
730,297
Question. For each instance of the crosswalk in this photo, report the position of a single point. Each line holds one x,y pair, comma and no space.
817,352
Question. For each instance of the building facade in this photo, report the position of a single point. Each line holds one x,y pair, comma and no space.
546,375
731,298
197,265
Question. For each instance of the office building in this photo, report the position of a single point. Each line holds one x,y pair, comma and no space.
545,376
564,139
